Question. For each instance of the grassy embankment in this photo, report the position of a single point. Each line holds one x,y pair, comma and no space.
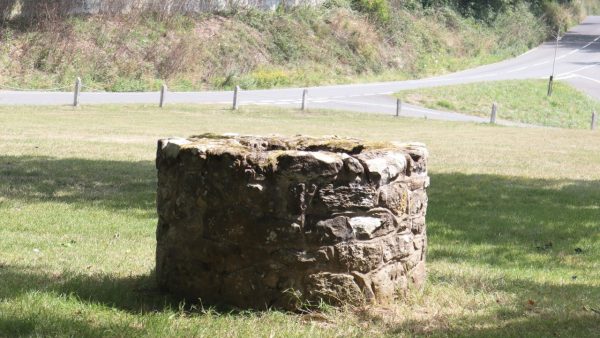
513,227
519,100
343,41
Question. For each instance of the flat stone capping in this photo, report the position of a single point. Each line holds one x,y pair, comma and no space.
261,222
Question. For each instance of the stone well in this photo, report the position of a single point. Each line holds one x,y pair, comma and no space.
279,222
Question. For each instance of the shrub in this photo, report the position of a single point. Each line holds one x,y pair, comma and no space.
518,29
266,78
556,16
377,9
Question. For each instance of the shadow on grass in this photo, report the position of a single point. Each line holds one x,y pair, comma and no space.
63,327
519,324
547,317
490,220
513,221
135,294
556,310
112,185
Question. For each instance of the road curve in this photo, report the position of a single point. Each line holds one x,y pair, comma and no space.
577,62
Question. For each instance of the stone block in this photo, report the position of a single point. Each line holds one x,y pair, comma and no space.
259,222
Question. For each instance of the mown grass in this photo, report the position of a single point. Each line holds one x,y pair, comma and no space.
518,100
513,227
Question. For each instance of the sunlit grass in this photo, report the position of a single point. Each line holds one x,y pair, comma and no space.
513,227
518,100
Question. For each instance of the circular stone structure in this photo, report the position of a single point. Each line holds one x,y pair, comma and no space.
262,222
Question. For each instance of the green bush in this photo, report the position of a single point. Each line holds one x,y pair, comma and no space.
560,17
519,29
377,9
591,7
266,78
337,4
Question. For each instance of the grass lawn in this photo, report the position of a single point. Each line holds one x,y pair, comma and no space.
518,100
514,227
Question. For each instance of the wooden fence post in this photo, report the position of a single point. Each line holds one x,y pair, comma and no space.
398,107
77,92
494,112
163,95
235,97
594,121
304,99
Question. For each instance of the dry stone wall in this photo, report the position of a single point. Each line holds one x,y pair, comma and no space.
283,222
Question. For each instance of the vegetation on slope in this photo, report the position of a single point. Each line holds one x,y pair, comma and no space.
519,100
345,40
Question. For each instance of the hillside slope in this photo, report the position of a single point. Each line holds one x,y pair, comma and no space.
340,42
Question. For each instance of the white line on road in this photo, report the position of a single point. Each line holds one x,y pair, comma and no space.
564,55
385,106
579,69
361,103
586,46
578,49
270,104
570,53
570,76
517,69
540,63
586,78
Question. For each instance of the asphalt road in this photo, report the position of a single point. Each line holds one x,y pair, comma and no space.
577,62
